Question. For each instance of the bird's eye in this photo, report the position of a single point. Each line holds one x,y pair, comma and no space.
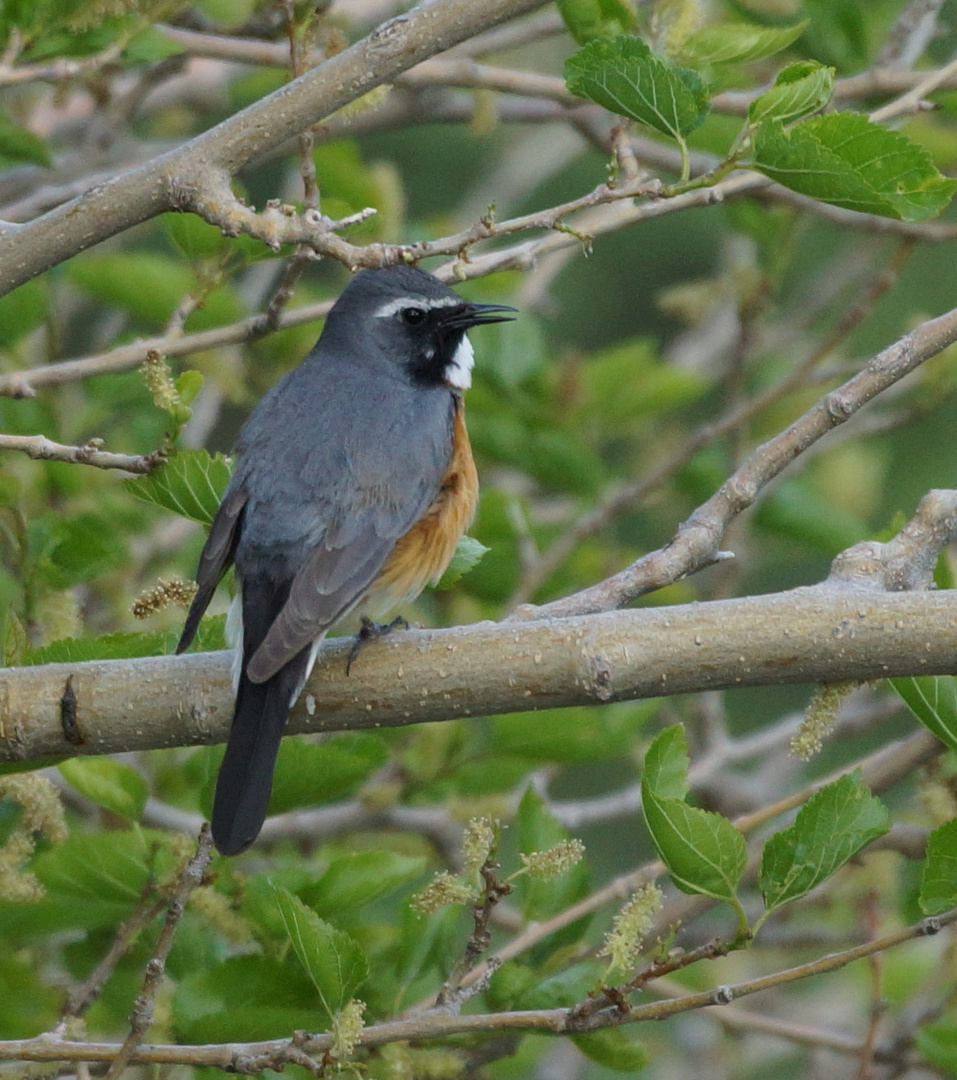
412,316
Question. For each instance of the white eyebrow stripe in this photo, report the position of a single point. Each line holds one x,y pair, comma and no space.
394,306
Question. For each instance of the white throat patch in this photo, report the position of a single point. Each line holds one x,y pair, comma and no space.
459,371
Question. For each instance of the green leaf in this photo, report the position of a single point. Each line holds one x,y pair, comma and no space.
938,1043
309,773
148,285
933,700
571,736
81,548
117,787
121,646
614,1048
468,553
703,851
150,45
539,830
243,998
332,958
188,385
589,19
844,159
938,887
627,78
799,90
190,484
560,990
357,878
738,43
194,237
831,828
666,764
19,144
837,31
798,511
23,310
92,881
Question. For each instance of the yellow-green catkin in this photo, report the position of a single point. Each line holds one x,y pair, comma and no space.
624,940
819,718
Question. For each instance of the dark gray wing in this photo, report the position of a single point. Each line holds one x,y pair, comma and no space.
215,560
337,573
339,465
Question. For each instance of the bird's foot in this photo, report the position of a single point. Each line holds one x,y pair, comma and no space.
372,631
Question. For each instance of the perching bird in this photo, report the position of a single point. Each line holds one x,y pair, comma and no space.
353,485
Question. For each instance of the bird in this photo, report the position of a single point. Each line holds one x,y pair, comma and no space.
354,481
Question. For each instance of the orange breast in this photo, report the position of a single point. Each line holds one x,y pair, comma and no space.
421,556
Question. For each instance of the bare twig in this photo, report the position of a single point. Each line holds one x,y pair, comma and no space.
248,1057
142,1016
126,934
40,448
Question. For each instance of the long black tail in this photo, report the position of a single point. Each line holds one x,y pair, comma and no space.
245,776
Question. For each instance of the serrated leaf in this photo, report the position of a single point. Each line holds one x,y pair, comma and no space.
844,159
589,19
831,828
738,43
614,1048
468,553
704,852
92,880
19,144
190,484
627,78
332,958
666,764
938,887
799,90
933,700
117,787
122,646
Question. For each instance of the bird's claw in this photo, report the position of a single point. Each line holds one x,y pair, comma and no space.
370,630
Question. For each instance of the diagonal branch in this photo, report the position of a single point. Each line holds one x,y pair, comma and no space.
697,541
169,182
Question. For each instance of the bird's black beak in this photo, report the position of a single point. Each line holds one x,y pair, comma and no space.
468,315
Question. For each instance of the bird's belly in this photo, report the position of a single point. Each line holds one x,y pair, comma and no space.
420,557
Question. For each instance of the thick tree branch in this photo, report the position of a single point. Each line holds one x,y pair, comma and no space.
169,182
823,633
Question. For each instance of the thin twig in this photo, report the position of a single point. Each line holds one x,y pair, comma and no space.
142,1016
249,1057
40,448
